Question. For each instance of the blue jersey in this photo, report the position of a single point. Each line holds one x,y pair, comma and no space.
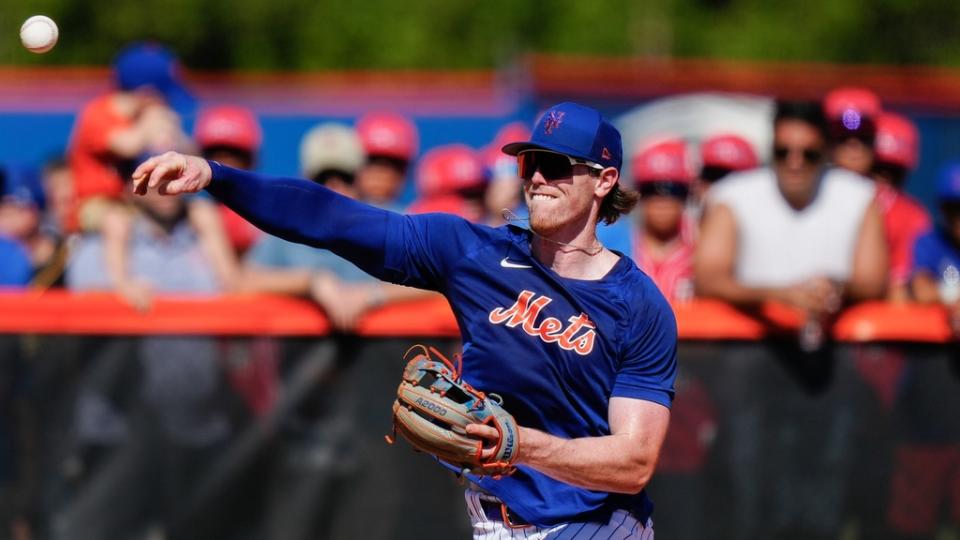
556,349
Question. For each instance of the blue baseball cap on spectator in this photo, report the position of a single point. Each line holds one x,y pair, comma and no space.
577,131
20,184
948,184
150,65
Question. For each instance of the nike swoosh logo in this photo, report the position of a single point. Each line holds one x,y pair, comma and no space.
507,264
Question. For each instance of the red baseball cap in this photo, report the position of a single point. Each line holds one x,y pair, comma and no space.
449,169
228,125
897,141
388,134
665,161
731,152
851,110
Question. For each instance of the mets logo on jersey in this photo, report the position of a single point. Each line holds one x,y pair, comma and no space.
525,312
553,121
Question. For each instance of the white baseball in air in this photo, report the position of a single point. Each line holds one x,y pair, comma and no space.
39,34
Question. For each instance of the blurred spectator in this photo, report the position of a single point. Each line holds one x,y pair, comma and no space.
231,135
58,193
331,154
936,268
58,188
896,155
663,245
452,179
505,187
721,155
116,129
851,116
795,233
390,142
926,469
161,236
181,415
808,236
21,212
111,134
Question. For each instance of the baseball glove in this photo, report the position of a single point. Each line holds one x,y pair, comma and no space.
433,408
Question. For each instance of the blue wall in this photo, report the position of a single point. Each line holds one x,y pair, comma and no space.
35,138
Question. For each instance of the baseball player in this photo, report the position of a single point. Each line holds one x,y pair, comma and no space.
577,341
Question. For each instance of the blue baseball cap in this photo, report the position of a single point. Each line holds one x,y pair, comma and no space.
577,131
150,65
21,184
948,184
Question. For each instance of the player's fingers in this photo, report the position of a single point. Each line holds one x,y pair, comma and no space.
483,431
141,175
144,168
161,172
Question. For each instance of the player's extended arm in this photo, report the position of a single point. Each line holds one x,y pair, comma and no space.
292,209
622,462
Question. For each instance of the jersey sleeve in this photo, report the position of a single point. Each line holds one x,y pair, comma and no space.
649,366
426,248
418,251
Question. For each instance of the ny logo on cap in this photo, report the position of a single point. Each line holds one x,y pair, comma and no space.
553,121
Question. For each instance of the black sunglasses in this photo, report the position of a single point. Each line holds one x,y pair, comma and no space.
811,155
664,189
552,166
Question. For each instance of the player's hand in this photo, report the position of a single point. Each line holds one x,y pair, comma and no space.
488,434
172,173
491,436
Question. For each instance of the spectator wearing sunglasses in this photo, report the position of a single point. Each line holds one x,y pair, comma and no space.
810,236
904,218
664,241
852,123
797,232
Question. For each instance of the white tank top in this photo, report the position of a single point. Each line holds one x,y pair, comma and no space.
778,245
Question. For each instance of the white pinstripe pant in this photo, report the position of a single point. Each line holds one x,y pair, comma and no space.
622,526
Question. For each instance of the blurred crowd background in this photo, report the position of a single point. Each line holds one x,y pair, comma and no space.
838,184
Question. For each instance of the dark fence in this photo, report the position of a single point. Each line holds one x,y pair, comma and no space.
267,437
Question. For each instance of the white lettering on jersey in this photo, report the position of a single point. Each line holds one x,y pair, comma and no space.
524,313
